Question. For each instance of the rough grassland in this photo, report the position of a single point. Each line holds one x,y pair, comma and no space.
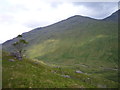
35,74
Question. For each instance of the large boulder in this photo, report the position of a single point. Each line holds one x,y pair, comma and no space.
11,60
16,55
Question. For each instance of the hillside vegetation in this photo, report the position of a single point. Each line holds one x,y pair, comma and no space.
36,74
77,43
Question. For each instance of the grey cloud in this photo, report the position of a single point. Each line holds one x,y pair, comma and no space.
97,5
101,9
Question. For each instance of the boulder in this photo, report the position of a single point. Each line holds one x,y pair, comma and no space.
19,58
11,60
16,55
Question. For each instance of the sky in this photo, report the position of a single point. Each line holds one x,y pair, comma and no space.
19,16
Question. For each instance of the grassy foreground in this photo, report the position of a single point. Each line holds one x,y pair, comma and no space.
36,74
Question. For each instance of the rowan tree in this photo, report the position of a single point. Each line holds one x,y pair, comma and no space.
19,46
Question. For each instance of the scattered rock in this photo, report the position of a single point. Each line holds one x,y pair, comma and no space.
78,71
57,67
84,65
87,74
88,78
115,69
36,62
108,69
11,60
53,71
101,86
16,55
19,58
12,66
66,76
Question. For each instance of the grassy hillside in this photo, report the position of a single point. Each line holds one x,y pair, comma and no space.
36,74
77,43
74,40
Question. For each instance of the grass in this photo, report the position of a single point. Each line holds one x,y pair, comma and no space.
26,74
69,53
94,44
34,74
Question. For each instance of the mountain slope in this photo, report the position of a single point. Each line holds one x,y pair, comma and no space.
36,74
77,43
74,40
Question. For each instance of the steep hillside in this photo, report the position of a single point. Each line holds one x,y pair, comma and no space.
74,40
78,43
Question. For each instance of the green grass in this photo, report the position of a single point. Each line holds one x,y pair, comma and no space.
100,51
91,45
28,74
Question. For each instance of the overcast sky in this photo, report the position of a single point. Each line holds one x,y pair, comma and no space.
18,16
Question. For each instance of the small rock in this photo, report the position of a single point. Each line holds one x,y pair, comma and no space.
88,78
11,60
11,78
36,63
66,76
57,67
77,71
12,66
53,71
19,58
101,86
